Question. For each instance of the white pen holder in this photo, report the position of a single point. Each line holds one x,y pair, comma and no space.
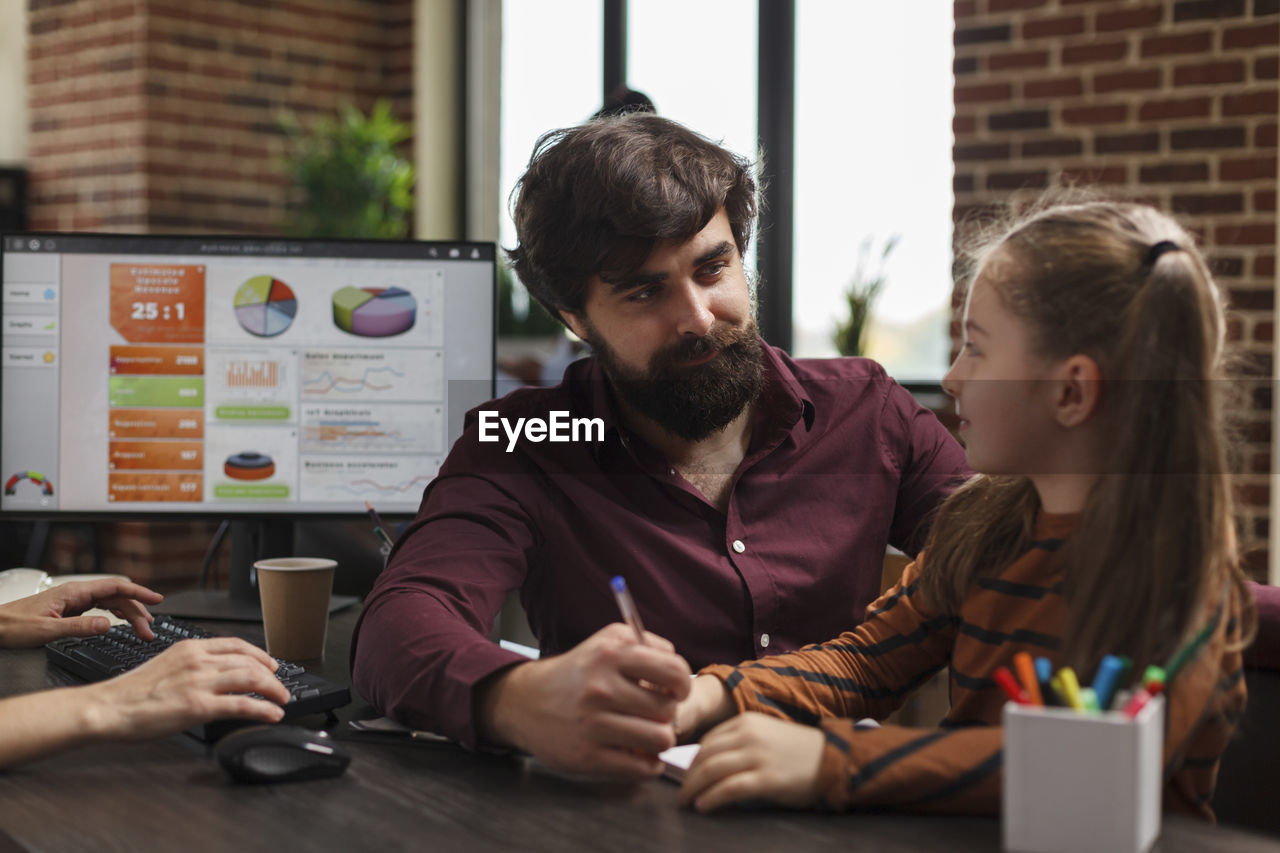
1077,781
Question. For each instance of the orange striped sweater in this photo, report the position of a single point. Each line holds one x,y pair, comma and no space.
867,672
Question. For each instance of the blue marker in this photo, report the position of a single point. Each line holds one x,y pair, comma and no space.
1106,679
1044,673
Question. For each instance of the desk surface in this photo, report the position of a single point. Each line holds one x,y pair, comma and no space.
169,794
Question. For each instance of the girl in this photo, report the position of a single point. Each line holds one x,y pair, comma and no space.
1101,522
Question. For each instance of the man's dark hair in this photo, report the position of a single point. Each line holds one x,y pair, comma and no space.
623,100
598,197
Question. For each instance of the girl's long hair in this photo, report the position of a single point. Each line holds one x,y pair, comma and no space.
1155,543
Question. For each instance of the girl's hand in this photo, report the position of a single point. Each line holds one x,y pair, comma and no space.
708,703
754,757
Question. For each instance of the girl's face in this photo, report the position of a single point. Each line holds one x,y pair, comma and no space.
1003,394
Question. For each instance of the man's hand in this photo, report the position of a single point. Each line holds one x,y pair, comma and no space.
604,708
192,682
708,703
755,757
45,616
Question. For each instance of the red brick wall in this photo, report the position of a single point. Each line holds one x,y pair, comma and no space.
87,110
1174,102
161,115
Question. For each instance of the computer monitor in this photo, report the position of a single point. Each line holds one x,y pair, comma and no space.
254,379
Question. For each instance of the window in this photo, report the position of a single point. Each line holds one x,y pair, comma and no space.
697,60
873,159
873,104
552,65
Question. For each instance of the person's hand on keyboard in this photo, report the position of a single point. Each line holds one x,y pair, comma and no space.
190,683
54,613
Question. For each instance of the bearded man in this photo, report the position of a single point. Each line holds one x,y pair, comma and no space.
747,498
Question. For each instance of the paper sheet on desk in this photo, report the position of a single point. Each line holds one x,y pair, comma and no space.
676,760
388,726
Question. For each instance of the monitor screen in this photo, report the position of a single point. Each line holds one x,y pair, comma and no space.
236,376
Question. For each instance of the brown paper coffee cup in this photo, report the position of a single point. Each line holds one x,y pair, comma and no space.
295,605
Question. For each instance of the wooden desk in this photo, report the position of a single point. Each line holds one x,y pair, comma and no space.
399,795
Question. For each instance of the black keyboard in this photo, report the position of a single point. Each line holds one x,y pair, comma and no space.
120,650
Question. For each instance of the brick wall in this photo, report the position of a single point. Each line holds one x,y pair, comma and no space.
161,115
1173,102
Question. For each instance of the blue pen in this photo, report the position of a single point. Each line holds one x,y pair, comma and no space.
627,606
1106,679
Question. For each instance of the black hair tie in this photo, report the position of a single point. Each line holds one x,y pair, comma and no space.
1154,253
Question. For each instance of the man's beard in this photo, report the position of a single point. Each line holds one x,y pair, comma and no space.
692,402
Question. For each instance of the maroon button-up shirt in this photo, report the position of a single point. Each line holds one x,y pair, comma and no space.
841,462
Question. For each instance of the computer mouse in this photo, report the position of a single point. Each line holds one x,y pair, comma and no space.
279,753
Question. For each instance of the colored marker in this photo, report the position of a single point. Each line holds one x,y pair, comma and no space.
378,529
1089,699
628,607
1106,679
1137,702
1044,672
1027,675
373,515
1121,678
1005,680
1153,679
1068,687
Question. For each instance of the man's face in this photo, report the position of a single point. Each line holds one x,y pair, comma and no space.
678,338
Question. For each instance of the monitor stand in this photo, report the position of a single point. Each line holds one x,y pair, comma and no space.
250,541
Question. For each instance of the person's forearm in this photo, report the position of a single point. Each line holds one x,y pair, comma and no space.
709,704
39,724
929,770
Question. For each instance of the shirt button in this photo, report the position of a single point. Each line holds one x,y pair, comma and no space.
764,641
738,547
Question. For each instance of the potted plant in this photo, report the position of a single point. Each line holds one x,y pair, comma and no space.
353,180
864,287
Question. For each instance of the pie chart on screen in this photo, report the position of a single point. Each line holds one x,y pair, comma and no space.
265,306
374,312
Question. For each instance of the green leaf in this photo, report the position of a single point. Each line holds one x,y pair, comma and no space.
860,296
351,179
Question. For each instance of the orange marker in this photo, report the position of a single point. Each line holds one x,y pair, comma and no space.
1026,669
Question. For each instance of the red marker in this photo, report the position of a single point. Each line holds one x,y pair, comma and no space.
1137,703
1004,678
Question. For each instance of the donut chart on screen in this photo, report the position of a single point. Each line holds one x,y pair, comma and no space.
374,312
265,306
249,465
